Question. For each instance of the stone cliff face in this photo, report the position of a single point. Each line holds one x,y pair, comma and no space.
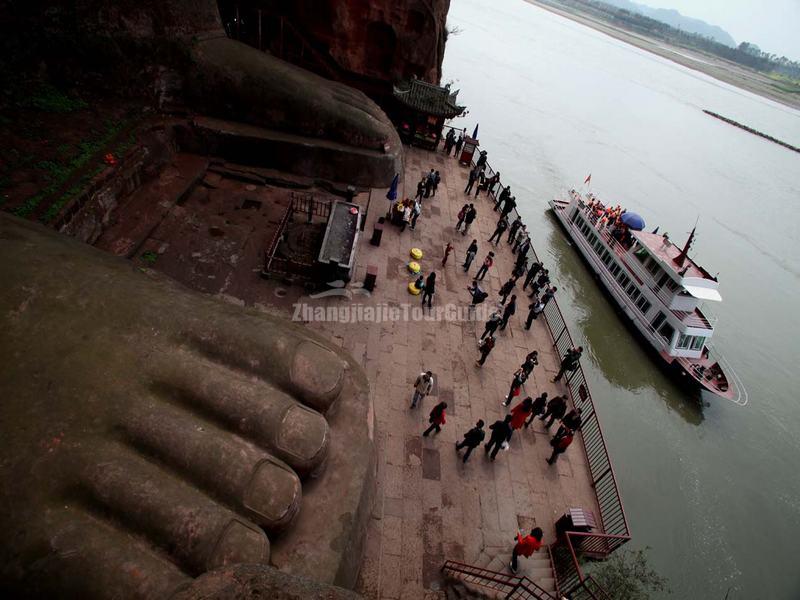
387,39
384,40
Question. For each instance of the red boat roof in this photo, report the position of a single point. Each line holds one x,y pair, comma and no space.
668,252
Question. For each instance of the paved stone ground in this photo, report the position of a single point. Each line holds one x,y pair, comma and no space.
431,507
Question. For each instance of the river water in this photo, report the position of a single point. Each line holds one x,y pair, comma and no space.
713,489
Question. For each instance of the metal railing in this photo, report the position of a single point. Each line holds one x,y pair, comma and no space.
514,588
304,204
567,553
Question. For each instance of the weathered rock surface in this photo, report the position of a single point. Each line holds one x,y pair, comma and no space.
216,76
152,434
389,39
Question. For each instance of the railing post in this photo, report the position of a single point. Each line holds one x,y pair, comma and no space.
558,339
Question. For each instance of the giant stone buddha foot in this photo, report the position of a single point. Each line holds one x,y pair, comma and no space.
248,106
151,434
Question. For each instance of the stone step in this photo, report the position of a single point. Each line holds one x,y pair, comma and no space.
141,213
548,584
325,159
461,590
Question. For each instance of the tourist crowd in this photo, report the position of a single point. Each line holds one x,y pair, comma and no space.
532,279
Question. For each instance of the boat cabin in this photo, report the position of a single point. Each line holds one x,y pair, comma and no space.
655,278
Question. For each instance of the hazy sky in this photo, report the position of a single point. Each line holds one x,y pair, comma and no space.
774,25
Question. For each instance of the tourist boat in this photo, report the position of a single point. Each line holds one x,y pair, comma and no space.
658,288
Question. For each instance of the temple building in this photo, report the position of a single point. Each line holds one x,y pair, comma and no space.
421,110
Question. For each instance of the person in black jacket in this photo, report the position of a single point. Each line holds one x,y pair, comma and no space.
556,409
569,362
516,383
538,407
492,324
472,178
573,420
502,197
506,289
430,288
502,225
485,347
472,439
501,432
470,254
533,270
510,205
469,218
459,143
530,362
512,231
544,279
508,312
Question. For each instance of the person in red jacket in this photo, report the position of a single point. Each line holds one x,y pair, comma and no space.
525,546
436,418
560,445
520,414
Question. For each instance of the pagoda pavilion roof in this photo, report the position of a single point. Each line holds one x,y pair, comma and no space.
428,98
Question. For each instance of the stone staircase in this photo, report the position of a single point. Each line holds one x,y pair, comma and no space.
537,568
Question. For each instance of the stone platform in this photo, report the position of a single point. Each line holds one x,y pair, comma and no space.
431,507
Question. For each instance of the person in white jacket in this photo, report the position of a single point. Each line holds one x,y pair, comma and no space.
422,387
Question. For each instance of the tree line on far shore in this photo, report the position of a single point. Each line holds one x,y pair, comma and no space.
745,54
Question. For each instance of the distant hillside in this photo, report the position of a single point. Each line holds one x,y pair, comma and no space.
675,19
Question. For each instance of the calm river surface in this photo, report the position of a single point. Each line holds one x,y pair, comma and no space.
714,490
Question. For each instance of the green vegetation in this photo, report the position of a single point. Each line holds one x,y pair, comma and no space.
785,84
150,257
80,186
628,576
58,173
50,99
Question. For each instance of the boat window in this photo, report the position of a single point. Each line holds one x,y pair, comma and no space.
576,218
598,246
643,304
624,280
633,292
672,285
641,254
653,267
698,342
667,331
684,341
660,318
615,269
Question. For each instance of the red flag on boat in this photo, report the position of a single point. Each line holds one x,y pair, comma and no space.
588,179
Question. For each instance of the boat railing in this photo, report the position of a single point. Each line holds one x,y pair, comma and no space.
740,395
612,513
